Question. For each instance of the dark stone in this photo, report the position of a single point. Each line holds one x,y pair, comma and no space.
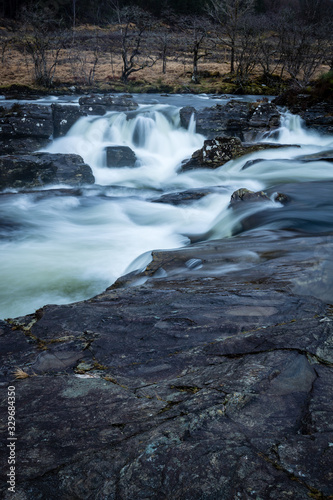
188,196
266,116
216,152
40,169
120,156
64,118
25,128
27,120
319,117
99,105
244,194
236,119
202,384
24,145
316,113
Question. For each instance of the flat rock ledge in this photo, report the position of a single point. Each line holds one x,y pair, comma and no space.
207,375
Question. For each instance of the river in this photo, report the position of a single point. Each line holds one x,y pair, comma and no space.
59,245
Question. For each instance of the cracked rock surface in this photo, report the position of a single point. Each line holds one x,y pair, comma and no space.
214,381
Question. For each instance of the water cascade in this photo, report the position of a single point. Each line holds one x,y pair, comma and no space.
61,245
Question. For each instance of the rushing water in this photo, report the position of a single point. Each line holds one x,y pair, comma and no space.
63,245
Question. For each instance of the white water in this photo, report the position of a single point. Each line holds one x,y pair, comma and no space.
59,248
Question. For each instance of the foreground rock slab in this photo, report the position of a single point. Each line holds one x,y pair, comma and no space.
207,375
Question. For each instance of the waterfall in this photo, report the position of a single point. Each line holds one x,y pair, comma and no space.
60,246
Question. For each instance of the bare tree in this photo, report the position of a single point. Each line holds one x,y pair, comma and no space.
230,14
43,38
8,38
268,54
303,47
247,48
164,38
196,30
135,26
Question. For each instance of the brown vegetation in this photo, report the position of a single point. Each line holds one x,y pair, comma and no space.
220,53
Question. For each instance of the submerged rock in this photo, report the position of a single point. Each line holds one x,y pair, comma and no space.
120,156
40,169
321,156
188,196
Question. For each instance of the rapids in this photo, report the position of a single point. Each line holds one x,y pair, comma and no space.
60,245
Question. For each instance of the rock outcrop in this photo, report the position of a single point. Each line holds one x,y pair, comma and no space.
236,118
64,117
202,384
40,169
99,105
24,128
28,127
317,115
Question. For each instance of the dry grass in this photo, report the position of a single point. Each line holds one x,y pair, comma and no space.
74,67
76,64
20,374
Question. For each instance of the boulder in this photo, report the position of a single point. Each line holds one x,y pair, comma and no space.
120,156
40,169
236,118
218,151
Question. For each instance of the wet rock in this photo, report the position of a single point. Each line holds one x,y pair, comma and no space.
40,169
120,156
12,146
236,118
298,209
64,118
216,152
319,117
244,194
265,115
25,128
317,114
99,105
203,383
